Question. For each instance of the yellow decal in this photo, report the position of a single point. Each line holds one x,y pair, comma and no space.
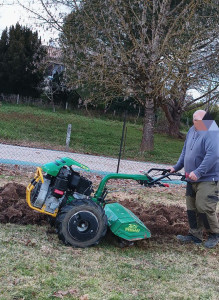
85,167
132,228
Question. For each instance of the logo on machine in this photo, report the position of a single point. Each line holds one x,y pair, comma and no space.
132,228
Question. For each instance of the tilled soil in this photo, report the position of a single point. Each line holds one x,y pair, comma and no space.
160,219
14,209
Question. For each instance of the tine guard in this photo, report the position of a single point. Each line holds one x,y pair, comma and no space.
123,223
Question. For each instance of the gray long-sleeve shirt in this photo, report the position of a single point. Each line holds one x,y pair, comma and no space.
200,154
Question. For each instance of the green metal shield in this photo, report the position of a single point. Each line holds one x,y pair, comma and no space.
123,223
52,168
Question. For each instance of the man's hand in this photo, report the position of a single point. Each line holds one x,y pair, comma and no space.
172,170
193,177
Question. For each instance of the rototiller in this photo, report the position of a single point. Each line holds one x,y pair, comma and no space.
81,220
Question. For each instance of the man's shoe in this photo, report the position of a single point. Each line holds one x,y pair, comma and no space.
188,239
212,240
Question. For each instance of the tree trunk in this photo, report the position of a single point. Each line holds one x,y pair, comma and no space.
173,116
147,142
173,128
52,102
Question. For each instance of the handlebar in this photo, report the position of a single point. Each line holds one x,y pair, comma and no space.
165,173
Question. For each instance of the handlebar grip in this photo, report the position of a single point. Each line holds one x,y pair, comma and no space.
165,171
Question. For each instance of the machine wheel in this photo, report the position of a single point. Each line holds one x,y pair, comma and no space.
81,224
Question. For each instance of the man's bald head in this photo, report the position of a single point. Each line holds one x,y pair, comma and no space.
197,120
199,114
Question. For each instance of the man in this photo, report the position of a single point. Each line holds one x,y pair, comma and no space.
200,159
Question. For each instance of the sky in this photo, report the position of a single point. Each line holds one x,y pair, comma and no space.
11,13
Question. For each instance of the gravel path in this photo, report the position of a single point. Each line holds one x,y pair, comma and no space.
18,155
25,156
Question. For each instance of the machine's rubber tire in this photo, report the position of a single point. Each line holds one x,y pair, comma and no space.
81,224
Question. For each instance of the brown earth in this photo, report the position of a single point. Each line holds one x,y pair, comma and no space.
14,209
160,219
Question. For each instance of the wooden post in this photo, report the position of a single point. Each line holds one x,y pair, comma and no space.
68,136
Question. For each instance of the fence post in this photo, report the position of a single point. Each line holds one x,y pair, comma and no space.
17,98
120,151
124,143
68,136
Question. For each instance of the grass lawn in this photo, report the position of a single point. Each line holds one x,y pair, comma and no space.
25,125
34,265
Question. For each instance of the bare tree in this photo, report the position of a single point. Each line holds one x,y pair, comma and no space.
134,48
192,66
139,48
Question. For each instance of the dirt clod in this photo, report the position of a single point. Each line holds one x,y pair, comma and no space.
14,209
